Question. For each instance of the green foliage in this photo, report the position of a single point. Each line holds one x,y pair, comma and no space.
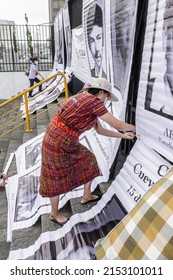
15,41
29,37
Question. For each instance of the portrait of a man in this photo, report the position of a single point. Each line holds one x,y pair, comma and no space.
122,15
95,39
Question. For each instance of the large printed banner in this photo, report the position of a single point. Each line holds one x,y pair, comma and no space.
121,26
68,37
88,55
141,170
121,31
77,238
59,59
50,93
120,17
103,45
155,97
80,66
25,203
149,160
94,26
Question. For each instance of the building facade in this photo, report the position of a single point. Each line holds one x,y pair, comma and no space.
54,7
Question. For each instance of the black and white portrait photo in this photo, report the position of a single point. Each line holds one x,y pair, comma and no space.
26,196
154,111
122,23
159,94
94,23
67,34
59,42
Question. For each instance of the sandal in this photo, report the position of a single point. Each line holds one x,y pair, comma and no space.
53,219
95,198
2,186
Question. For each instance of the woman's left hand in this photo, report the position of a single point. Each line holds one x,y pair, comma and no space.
129,135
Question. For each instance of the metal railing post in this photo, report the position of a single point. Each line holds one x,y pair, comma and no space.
65,87
28,123
26,103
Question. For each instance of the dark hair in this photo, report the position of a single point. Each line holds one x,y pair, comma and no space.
34,58
94,91
94,17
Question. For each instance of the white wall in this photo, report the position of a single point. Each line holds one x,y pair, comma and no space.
11,83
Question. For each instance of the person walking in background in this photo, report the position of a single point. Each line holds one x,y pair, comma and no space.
33,72
66,163
3,178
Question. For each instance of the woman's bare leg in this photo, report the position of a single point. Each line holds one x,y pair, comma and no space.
87,190
87,195
54,209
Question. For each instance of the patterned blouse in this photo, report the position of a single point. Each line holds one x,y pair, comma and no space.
80,111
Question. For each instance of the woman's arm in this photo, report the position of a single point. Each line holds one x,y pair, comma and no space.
109,133
38,73
3,176
117,124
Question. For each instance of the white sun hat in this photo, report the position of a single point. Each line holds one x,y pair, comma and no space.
102,83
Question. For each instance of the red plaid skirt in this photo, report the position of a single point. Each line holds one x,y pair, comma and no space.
66,164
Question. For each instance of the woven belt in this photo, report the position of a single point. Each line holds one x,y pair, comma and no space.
59,123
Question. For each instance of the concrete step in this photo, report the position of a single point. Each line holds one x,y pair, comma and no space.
103,187
77,207
48,225
4,148
5,140
23,238
4,246
15,140
4,143
42,121
53,107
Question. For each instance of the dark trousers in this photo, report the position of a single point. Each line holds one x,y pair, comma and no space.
32,83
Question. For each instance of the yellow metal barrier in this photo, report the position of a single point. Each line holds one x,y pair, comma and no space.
27,118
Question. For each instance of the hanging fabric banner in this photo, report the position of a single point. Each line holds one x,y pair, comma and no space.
68,37
48,95
80,66
142,168
59,42
120,34
154,112
94,26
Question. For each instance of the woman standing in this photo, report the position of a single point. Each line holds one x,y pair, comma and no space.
67,164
